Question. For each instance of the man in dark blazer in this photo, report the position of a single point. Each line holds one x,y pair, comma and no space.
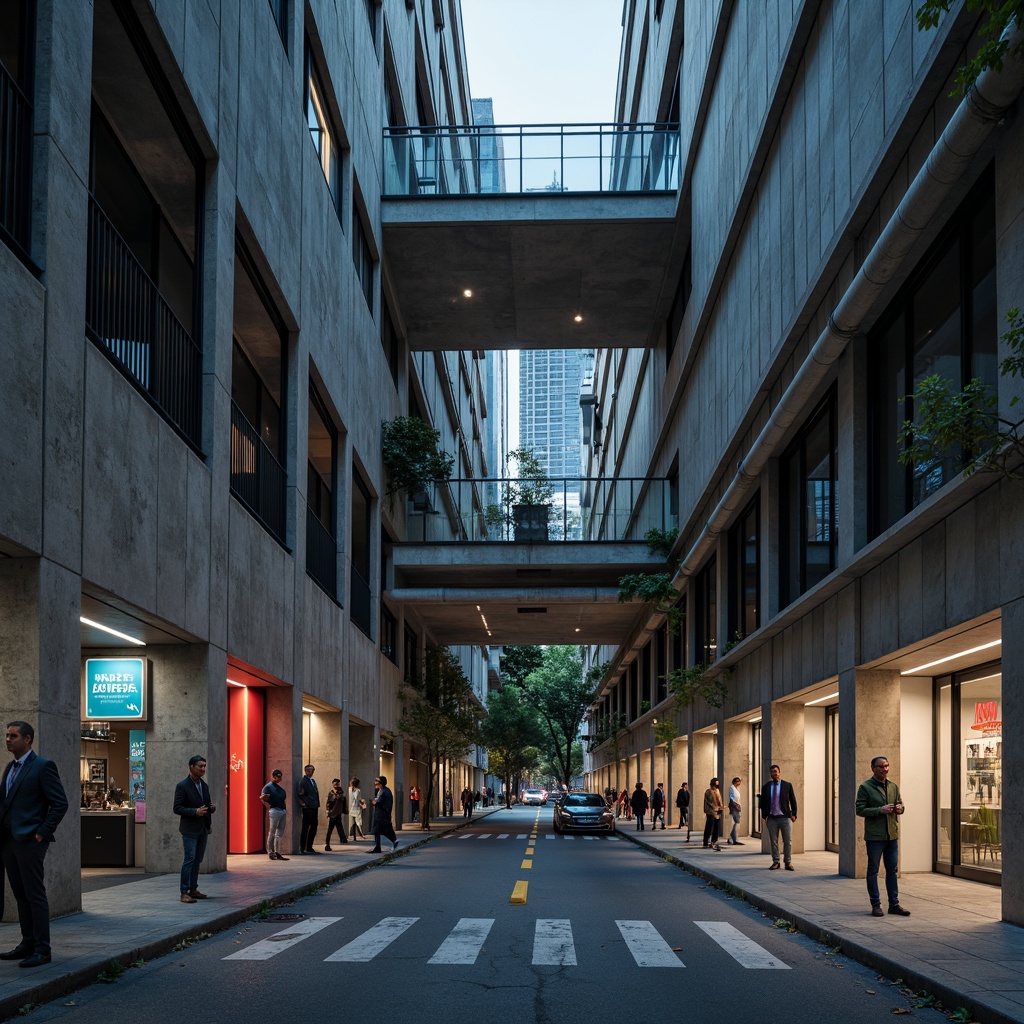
32,803
778,808
194,808
309,802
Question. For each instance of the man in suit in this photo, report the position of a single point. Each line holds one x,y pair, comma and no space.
778,808
32,803
383,805
194,808
309,802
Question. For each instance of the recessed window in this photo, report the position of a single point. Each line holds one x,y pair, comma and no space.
744,573
279,10
362,257
326,138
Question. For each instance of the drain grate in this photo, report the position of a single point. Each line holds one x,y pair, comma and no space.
274,918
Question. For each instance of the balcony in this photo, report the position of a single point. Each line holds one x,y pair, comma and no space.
15,165
257,478
458,160
128,318
321,555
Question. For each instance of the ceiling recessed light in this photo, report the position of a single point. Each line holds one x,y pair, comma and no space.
467,293
112,632
951,657
821,700
578,318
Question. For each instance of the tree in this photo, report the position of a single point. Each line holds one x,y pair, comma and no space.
440,712
410,452
562,696
512,734
518,662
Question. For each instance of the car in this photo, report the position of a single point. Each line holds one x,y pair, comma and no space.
583,812
537,797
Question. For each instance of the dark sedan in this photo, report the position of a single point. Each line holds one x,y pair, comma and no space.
583,812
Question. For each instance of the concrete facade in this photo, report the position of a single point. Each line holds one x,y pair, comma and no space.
805,126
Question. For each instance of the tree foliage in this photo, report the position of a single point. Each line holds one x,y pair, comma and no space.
440,712
519,661
996,15
688,685
562,696
411,456
513,736
966,426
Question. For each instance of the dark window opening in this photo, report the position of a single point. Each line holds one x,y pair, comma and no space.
745,573
362,506
362,258
681,299
17,87
321,548
706,601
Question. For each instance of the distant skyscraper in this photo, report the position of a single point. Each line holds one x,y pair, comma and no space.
491,151
549,408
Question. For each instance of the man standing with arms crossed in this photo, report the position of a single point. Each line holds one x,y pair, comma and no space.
879,803
32,803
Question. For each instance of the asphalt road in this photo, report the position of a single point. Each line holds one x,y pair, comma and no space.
607,932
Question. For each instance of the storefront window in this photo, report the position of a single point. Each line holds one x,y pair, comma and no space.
832,778
969,750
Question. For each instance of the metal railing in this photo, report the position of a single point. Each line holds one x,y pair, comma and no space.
321,554
554,509
127,316
15,163
516,159
359,605
257,478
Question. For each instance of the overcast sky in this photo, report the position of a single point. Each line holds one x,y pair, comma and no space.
544,61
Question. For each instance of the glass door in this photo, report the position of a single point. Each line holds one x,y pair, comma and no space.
756,781
832,778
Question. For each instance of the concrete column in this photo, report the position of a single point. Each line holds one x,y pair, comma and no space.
398,786
41,673
1013,761
869,724
190,692
786,742
703,761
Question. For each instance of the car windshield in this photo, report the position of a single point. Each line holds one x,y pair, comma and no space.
584,800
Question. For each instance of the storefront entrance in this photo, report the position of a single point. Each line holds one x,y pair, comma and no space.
969,748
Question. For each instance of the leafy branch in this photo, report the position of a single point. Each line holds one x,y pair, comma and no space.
998,14
966,427
688,685
411,456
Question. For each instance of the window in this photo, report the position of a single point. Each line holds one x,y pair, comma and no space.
809,520
943,322
17,46
362,257
321,549
707,612
674,323
745,573
326,140
411,655
371,17
361,553
279,10
389,339
388,635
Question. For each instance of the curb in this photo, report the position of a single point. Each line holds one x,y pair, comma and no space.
891,969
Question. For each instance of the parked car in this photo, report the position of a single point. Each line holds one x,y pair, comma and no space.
537,797
583,812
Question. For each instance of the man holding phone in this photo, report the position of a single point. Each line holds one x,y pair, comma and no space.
879,803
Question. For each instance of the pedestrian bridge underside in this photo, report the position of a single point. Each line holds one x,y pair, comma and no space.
486,593
532,264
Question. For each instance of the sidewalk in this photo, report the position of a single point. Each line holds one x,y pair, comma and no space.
953,945
143,918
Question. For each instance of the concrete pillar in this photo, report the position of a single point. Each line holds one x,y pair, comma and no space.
786,743
1013,761
40,678
190,690
398,784
869,724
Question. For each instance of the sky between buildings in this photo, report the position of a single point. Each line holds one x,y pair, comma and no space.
544,61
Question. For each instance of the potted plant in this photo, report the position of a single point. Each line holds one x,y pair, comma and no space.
525,504
412,458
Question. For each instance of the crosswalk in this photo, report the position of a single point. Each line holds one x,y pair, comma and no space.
554,944
462,836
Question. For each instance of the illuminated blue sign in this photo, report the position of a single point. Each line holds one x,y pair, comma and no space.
115,689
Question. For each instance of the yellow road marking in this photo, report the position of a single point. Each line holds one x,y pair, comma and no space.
519,892
526,865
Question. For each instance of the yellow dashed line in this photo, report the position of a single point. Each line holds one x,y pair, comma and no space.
519,892
526,865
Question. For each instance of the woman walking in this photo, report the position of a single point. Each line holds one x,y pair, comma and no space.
639,802
356,806
713,815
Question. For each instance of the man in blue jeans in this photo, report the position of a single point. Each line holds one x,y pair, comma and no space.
193,806
880,805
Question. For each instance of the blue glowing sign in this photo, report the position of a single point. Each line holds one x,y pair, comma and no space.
115,689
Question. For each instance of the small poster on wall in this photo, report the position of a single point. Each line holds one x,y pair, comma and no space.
137,772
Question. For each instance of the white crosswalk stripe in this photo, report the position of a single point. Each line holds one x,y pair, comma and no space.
744,951
484,835
649,949
504,835
366,946
464,943
266,948
552,944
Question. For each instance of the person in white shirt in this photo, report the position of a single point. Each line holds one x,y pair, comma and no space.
735,810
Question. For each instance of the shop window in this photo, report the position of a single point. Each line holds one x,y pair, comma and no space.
362,529
745,573
832,778
326,138
809,519
756,774
942,322
259,363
